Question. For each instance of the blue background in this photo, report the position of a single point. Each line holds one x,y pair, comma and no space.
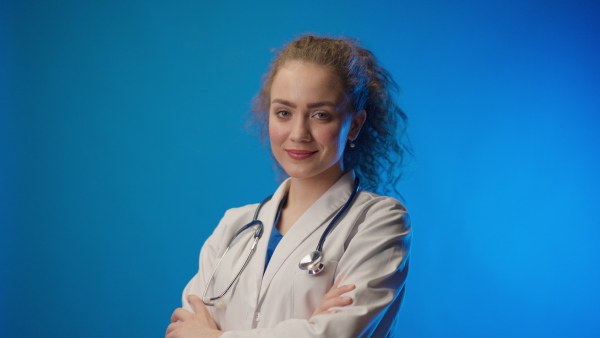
122,143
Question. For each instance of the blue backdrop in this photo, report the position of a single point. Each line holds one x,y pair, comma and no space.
122,143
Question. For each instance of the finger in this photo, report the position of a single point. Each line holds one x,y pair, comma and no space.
334,287
338,281
325,312
338,301
339,291
345,288
180,315
172,327
196,304
326,305
201,310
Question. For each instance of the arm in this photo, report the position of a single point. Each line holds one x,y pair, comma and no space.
376,261
333,298
208,257
199,322
185,324
193,319
210,253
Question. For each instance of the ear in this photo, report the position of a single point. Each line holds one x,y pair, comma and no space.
357,122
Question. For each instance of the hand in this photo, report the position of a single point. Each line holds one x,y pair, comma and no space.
185,324
334,298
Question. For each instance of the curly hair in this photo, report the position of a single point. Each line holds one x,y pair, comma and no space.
381,148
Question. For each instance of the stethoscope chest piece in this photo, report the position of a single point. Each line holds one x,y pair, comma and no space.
312,263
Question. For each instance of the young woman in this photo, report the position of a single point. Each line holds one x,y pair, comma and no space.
332,122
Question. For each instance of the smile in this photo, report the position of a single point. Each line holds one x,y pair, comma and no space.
300,154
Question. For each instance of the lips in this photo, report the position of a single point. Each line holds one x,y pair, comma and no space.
297,154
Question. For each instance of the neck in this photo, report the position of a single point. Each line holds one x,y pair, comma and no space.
304,192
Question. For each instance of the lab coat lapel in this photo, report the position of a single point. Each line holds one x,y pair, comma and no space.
316,217
267,216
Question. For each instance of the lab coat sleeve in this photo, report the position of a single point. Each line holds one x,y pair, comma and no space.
376,261
208,257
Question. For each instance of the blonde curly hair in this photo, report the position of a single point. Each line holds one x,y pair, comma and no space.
381,148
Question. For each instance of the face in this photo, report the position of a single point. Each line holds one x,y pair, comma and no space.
309,123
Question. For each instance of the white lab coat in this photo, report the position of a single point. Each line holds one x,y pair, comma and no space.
369,247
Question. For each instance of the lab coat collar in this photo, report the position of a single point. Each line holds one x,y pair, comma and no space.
318,216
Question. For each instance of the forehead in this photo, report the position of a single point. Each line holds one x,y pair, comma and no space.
306,81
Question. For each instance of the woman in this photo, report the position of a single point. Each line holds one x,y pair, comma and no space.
332,120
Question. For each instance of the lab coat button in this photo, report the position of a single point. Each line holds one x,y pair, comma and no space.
257,317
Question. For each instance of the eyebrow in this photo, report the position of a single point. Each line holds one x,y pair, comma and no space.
310,106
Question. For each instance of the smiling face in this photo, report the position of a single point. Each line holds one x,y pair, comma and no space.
309,121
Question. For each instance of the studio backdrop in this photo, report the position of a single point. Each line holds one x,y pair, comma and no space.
123,142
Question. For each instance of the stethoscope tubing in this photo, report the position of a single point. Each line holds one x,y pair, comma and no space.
333,222
257,235
314,265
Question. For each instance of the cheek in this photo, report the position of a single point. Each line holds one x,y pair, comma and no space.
276,133
331,137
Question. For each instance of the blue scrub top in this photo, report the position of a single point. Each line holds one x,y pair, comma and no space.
274,240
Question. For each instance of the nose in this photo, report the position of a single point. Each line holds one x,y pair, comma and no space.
300,130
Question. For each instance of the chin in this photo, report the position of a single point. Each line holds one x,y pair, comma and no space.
300,174
306,173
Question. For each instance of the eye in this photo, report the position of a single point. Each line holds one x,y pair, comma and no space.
283,113
321,115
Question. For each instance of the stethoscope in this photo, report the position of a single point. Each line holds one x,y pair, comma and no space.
312,262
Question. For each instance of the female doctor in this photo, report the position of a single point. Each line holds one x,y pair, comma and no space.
332,122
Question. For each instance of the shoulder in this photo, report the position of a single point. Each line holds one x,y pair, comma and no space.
376,203
381,211
240,211
379,200
235,216
232,218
